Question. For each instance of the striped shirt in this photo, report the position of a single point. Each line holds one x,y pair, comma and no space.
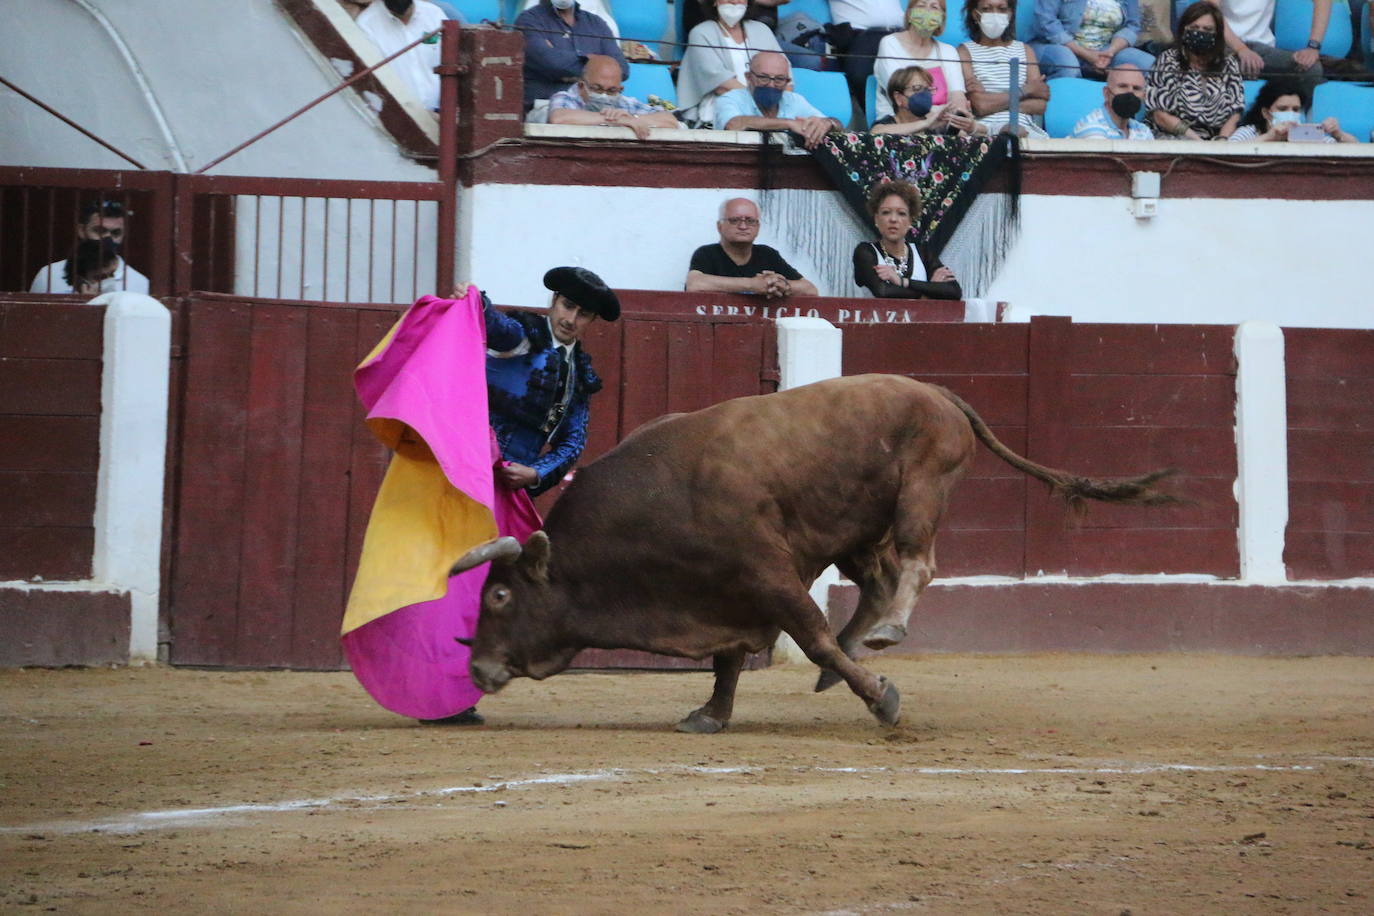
1099,126
990,68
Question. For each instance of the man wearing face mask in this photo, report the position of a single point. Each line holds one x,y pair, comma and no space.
393,24
599,98
559,38
1115,120
768,105
103,220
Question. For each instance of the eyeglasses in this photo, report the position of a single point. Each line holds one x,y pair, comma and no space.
741,221
604,90
779,81
912,90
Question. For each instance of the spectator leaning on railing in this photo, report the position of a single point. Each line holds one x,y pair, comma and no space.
1195,90
916,44
1278,109
559,37
104,220
1085,37
1115,119
599,99
717,57
393,24
737,265
767,104
986,60
893,267
1249,33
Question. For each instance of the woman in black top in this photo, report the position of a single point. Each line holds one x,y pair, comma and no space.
894,268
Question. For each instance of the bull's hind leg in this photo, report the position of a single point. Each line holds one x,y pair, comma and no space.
715,715
918,515
876,575
801,619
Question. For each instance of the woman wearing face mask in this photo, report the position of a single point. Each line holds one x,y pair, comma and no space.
1086,37
1195,91
893,267
92,266
910,93
717,56
1279,105
916,44
987,73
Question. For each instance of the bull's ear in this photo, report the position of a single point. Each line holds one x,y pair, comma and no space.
535,557
506,548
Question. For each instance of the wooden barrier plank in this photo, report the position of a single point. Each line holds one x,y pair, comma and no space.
690,359
50,553
1330,455
1211,505
1329,554
1151,400
1050,408
1328,353
322,533
1330,505
1162,349
605,344
35,330
36,443
979,553
739,359
1125,451
1331,403
933,349
205,575
50,387
38,499
998,503
1146,551
644,385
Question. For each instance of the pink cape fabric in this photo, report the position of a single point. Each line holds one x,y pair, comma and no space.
432,377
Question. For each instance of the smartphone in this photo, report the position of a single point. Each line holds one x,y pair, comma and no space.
1306,133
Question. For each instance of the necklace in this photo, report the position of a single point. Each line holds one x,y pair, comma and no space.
900,263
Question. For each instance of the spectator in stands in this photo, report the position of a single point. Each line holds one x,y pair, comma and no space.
104,220
860,26
1115,119
1086,37
909,93
717,58
599,98
1195,91
559,37
916,44
894,268
1249,33
1156,26
354,8
986,58
633,50
777,21
393,24
737,265
768,105
1278,106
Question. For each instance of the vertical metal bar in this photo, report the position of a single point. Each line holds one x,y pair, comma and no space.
324,258
348,250
1014,95
24,231
175,234
415,253
257,240
371,242
128,237
281,240
302,292
446,238
391,274
210,275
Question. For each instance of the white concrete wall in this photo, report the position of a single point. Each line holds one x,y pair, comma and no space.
1294,263
216,72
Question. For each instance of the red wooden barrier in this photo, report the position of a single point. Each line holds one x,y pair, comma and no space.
1330,453
50,358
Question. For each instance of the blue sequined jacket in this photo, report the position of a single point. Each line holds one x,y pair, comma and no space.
523,394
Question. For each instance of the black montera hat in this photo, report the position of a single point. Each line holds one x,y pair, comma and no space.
585,289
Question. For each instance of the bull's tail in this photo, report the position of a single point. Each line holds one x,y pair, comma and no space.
1073,488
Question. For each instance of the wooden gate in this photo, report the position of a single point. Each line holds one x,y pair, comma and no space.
274,472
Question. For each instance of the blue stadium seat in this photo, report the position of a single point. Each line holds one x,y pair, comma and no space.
826,90
644,20
1071,98
1350,103
651,79
954,34
1367,39
818,10
871,99
1025,19
474,11
1293,24
1252,88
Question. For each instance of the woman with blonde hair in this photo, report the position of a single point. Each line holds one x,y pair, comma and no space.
916,44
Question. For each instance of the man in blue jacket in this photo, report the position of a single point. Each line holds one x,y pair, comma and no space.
539,378
559,37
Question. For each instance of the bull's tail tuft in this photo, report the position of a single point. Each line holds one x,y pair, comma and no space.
1075,490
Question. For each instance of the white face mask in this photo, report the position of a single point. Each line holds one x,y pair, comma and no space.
562,4
993,24
731,13
1285,117
599,101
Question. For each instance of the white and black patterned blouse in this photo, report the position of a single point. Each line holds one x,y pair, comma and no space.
1204,100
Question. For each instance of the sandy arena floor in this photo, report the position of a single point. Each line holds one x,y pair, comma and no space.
1048,784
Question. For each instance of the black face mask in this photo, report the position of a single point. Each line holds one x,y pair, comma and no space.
398,7
1126,105
1198,41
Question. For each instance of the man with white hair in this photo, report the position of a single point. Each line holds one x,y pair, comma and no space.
769,105
737,265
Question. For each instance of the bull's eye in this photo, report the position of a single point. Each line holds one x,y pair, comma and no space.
498,596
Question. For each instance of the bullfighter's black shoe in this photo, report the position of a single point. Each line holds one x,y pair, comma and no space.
469,716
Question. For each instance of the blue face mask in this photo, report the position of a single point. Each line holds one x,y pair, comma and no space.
919,103
767,97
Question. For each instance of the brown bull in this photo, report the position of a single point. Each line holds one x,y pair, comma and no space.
701,533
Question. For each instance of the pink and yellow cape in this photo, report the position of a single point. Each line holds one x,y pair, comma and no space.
425,391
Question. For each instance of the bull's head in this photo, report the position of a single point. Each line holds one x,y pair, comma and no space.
518,631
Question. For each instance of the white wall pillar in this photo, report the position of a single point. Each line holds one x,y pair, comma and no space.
809,350
133,449
1261,450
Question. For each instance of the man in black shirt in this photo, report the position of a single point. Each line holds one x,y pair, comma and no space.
736,265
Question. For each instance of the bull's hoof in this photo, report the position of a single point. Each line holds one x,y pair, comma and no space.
889,634
699,723
888,708
827,680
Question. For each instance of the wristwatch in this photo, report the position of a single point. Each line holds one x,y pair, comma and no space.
1313,44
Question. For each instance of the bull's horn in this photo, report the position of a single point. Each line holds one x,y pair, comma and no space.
506,549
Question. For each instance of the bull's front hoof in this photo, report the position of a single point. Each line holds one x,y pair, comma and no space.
827,680
699,723
889,634
888,708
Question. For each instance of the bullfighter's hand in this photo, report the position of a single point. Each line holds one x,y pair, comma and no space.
517,476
